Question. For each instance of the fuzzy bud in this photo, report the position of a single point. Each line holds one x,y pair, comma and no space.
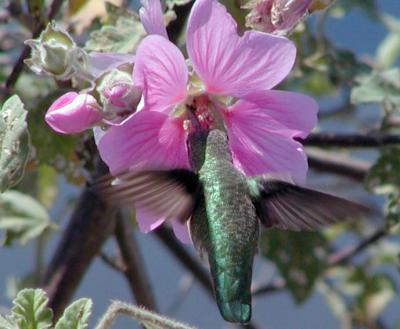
55,53
118,95
276,16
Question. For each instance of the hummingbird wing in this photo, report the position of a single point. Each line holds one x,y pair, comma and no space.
284,205
168,193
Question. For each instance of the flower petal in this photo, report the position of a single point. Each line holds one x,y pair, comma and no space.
293,110
100,63
181,231
152,18
260,145
73,113
148,139
232,65
160,72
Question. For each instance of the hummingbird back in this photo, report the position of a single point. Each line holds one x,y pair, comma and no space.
224,226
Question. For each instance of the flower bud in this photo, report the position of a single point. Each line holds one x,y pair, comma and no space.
276,16
55,53
118,95
73,113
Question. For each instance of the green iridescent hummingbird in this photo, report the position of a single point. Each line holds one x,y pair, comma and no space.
225,208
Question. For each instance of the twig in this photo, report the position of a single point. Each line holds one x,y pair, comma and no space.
19,64
276,286
90,225
335,259
139,314
350,140
135,271
112,262
190,263
345,255
340,165
175,247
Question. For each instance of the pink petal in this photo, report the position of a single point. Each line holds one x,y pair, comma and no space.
147,222
100,63
293,110
232,65
260,145
73,113
160,72
181,231
152,18
148,139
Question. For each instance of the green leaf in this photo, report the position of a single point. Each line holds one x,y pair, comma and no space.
384,178
76,315
298,257
31,311
388,50
378,87
149,320
22,217
122,34
14,142
8,323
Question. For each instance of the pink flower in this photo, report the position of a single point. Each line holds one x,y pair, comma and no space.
276,16
229,77
73,113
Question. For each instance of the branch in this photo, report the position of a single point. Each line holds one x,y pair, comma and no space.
134,269
345,255
190,263
350,140
90,225
19,64
340,165
338,258
275,286
175,247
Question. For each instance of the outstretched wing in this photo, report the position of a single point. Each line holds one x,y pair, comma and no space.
287,206
168,193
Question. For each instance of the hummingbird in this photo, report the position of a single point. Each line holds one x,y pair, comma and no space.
225,209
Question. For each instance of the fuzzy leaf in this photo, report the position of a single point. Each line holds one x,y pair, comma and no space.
377,87
298,257
8,323
388,50
76,315
31,311
14,142
22,217
121,35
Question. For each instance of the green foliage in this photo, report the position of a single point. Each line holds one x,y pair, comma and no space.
299,257
21,217
121,35
30,312
14,142
378,87
384,178
76,315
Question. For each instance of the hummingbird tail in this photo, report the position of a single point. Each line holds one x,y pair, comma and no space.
232,289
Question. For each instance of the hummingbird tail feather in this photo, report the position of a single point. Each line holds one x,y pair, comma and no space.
232,288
